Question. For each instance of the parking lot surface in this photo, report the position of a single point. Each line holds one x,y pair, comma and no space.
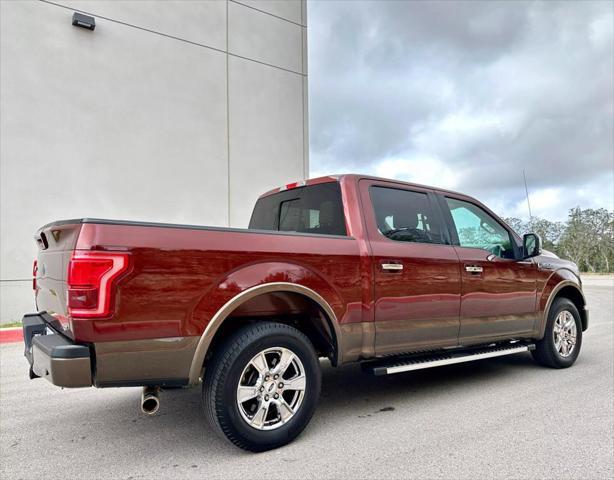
499,418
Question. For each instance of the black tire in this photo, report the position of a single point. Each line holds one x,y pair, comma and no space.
225,369
546,352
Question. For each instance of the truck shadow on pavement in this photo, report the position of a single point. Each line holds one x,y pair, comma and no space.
348,395
348,389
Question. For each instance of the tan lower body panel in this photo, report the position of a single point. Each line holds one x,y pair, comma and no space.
399,336
63,372
492,326
356,342
135,362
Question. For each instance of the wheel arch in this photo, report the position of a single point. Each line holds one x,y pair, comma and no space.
233,309
572,291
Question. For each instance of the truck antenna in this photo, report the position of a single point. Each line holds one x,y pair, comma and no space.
526,191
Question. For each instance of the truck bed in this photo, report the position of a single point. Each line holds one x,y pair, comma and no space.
180,275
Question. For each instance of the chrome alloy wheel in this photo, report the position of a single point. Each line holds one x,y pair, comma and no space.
564,333
271,388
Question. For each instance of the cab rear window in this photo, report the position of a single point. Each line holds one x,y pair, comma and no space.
315,209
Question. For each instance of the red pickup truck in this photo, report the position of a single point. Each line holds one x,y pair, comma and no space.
397,276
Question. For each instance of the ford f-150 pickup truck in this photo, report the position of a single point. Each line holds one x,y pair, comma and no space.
394,275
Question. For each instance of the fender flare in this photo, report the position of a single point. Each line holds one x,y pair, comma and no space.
553,295
227,309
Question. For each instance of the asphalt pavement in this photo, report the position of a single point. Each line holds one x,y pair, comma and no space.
498,418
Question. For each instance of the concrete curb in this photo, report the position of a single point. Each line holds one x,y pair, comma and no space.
11,335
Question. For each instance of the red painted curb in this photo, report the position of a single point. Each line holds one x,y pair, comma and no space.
11,335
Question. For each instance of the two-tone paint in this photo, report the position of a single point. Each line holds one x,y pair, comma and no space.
185,283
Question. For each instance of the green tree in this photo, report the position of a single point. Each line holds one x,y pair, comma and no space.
518,225
589,239
586,238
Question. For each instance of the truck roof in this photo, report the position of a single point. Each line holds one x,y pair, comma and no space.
356,177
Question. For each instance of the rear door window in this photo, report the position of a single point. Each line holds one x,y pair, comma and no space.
316,209
405,215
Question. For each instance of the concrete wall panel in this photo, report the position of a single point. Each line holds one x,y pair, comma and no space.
305,52
92,128
127,123
256,35
305,128
288,9
304,12
202,22
266,129
16,298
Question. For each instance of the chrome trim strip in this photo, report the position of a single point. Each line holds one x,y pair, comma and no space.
451,361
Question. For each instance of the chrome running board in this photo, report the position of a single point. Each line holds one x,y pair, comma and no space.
407,363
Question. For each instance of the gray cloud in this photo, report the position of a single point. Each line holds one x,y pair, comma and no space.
485,89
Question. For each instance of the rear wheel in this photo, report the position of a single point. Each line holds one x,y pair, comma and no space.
261,387
562,340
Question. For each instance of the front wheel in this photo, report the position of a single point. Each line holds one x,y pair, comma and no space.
261,387
562,340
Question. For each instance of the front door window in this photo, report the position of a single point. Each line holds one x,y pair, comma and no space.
478,229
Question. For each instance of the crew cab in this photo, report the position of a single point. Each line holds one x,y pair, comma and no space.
351,268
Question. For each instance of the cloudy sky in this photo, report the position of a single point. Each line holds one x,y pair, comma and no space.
465,95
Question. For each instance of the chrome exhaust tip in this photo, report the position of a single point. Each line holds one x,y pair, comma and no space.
150,403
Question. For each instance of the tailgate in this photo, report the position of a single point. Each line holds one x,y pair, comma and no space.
56,242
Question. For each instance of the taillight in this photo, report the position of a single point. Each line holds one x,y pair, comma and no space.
91,282
34,274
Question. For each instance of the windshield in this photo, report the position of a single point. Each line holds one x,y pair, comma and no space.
316,209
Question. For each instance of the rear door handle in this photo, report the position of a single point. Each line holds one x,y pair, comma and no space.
473,269
392,266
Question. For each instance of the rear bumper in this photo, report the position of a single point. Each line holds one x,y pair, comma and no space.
53,356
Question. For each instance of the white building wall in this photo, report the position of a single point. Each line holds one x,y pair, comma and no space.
170,111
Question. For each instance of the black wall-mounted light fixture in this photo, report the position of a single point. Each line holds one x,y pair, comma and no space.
83,21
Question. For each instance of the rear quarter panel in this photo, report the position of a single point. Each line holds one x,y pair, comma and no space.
181,277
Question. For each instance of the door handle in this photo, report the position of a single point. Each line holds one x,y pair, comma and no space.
392,267
473,269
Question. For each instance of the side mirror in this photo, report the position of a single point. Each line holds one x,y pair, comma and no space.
531,245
